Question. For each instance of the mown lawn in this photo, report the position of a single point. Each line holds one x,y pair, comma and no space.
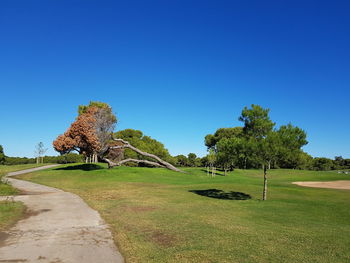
158,215
10,212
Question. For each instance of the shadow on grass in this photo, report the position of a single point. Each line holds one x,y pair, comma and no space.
83,167
215,174
220,194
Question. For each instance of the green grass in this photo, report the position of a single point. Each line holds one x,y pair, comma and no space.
6,189
155,217
11,212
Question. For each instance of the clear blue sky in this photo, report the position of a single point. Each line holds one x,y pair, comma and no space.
177,70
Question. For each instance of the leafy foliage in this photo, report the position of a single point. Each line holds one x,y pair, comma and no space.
144,143
91,131
2,155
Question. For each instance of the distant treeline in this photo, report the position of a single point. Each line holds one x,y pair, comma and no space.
301,160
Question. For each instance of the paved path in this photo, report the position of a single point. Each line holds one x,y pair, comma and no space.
59,228
340,184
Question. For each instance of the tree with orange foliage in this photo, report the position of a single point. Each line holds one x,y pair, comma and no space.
90,133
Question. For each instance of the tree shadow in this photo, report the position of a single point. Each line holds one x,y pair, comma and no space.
220,194
215,174
84,167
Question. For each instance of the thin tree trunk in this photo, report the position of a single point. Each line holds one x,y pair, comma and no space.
265,184
225,171
207,170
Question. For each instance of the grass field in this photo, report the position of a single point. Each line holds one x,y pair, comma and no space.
10,211
158,215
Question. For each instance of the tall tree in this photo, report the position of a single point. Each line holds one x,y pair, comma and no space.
81,136
259,127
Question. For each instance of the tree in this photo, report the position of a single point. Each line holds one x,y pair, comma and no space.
81,136
39,152
144,143
2,155
227,150
211,157
181,160
212,139
322,164
192,159
291,139
258,126
90,133
257,123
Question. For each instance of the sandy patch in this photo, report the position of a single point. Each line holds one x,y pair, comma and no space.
340,184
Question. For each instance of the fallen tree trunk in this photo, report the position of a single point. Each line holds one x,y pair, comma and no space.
126,144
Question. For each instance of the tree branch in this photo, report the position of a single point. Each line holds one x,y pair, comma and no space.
126,144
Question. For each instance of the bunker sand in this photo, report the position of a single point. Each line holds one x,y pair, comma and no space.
340,184
58,227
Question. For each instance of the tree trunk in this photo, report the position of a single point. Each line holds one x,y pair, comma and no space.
245,163
265,184
207,170
160,161
225,171
111,164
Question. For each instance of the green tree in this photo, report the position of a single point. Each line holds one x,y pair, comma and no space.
257,123
291,139
191,157
258,126
181,160
2,155
144,143
322,164
228,151
212,139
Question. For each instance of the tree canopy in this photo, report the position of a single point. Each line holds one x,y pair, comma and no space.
90,133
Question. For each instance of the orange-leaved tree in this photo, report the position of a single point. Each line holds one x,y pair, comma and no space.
90,133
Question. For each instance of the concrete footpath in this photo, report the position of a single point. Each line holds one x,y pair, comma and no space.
59,227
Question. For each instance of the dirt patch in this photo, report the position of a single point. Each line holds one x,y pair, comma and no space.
340,184
162,239
138,208
22,192
158,237
29,213
3,237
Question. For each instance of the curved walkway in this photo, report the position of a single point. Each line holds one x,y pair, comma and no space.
340,184
59,228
